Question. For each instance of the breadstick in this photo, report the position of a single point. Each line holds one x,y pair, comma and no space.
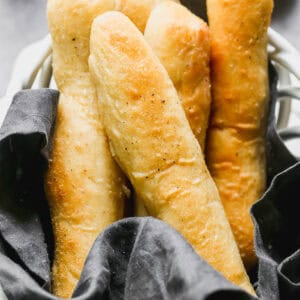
153,142
85,187
236,137
138,11
181,41
83,183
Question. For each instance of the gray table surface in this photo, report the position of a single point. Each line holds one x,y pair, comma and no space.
24,21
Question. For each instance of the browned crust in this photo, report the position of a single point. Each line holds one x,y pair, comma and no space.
83,184
181,41
236,137
154,144
85,187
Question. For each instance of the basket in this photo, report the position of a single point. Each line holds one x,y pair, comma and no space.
35,61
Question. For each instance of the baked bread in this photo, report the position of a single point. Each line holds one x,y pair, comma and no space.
181,41
236,137
84,185
154,144
138,11
85,188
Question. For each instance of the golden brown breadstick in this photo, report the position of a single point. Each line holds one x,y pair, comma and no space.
181,41
83,183
154,144
138,11
236,137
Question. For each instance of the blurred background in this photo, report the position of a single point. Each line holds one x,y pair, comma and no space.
24,21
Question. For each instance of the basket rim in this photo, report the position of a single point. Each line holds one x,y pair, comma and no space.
35,60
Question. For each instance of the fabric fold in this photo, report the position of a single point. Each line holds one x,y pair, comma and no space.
135,258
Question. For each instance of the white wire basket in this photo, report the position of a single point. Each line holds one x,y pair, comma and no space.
33,69
35,63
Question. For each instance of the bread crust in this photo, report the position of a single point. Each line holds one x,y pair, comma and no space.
236,136
153,142
181,41
85,188
138,11
83,183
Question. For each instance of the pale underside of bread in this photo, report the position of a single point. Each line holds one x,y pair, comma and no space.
236,137
74,195
153,142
